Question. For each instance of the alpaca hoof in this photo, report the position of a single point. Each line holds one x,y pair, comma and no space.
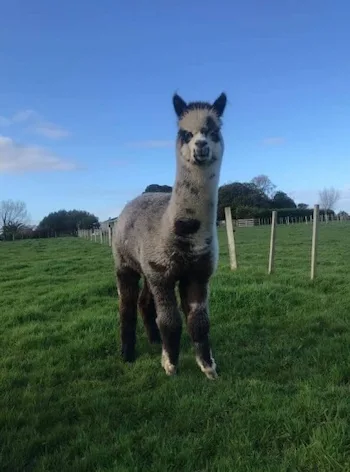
211,374
209,371
170,369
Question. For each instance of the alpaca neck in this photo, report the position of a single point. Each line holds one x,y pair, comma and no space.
195,195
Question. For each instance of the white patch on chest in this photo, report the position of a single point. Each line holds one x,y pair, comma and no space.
201,246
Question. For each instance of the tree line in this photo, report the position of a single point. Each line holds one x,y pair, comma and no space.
257,198
14,222
254,199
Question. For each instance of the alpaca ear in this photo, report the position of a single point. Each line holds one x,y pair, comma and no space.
179,105
220,104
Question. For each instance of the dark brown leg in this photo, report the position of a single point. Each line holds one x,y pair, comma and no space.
148,313
128,290
183,284
194,302
169,323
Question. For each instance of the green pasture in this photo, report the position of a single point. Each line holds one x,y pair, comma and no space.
281,342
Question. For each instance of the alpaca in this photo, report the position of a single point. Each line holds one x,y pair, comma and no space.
171,238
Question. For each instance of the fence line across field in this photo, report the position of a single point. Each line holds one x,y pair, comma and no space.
286,220
103,235
232,246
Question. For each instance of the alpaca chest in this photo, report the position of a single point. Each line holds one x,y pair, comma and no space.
195,254
185,264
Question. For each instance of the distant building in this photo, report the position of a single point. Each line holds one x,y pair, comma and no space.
104,225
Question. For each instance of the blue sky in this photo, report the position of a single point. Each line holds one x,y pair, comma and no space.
86,118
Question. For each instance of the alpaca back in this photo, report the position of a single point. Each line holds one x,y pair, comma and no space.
137,235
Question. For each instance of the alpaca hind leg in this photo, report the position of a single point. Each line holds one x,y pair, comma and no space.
194,302
148,312
169,323
128,290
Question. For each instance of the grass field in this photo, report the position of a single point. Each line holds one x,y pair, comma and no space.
282,343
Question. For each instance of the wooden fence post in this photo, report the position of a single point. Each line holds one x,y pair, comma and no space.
110,235
272,242
314,241
230,238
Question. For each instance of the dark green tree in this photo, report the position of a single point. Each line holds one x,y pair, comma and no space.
282,200
158,188
238,195
67,222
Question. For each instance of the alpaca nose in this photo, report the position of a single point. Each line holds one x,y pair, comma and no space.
201,144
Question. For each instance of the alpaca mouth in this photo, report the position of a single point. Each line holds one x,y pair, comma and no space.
201,155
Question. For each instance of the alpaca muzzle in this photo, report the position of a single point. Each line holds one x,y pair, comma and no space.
201,152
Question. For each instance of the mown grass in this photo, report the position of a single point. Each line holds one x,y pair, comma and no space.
282,342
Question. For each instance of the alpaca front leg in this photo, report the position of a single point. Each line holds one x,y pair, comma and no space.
194,301
170,326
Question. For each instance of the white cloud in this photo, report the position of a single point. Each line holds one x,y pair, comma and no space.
35,124
24,115
16,158
152,144
273,141
50,130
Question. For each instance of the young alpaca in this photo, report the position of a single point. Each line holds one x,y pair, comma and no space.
170,238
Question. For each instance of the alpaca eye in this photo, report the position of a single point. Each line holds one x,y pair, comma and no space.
187,136
215,136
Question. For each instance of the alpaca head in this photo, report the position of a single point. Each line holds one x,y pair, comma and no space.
199,139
